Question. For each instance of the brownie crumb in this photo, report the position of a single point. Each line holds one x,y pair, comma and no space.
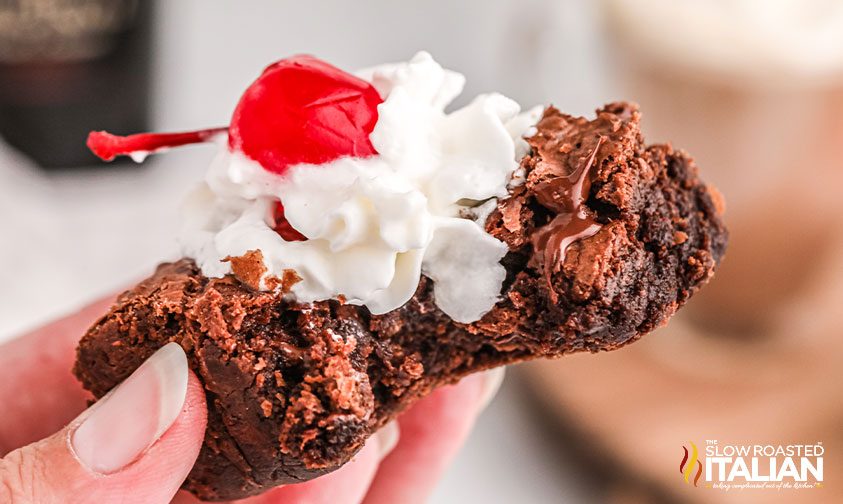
260,365
266,407
283,285
248,268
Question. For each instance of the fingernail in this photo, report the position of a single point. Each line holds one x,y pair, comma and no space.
387,437
130,418
491,384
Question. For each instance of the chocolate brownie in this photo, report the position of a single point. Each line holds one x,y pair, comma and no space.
606,237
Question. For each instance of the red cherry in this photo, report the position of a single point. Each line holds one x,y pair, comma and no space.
283,226
300,110
303,110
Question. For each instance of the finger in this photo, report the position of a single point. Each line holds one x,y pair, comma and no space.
38,391
346,485
136,444
432,432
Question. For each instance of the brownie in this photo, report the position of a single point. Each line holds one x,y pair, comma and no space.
606,237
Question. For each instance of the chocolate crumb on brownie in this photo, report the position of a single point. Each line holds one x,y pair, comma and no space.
607,238
250,269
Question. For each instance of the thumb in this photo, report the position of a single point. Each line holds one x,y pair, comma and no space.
136,444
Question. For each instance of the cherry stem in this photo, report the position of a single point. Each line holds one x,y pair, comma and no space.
107,146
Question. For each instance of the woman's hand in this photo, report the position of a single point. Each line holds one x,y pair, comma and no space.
138,443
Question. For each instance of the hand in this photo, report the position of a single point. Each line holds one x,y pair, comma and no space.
138,443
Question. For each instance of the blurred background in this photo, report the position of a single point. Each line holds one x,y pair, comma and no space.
752,88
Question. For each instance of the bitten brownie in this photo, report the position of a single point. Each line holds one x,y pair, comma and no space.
607,238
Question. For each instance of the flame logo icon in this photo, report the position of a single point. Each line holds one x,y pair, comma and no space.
686,467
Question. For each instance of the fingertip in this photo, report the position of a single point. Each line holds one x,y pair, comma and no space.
162,467
73,467
160,471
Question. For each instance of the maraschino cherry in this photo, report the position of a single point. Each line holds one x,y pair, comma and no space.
300,110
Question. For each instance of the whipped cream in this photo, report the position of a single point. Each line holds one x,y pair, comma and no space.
375,225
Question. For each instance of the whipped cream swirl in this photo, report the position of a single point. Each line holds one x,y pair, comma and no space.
375,225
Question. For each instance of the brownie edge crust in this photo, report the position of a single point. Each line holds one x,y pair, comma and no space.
294,390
